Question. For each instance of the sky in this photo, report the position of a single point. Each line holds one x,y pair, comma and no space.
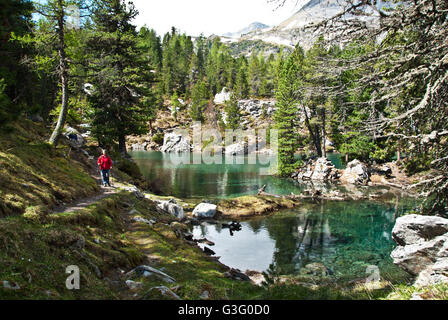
210,16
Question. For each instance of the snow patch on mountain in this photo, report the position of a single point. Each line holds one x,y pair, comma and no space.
252,27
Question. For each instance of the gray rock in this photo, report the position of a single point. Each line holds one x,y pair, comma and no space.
355,173
172,208
79,142
236,274
205,211
148,271
11,285
132,285
223,96
166,292
422,248
412,229
236,149
176,143
320,169
139,146
205,295
142,220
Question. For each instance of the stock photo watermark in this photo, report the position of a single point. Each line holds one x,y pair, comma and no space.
374,274
239,147
73,280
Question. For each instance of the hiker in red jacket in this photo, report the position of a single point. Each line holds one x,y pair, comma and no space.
105,164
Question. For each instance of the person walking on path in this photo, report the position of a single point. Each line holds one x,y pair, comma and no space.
105,165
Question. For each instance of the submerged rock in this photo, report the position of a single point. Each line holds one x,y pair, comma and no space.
205,211
422,248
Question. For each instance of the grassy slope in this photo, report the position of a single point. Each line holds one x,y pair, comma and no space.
33,176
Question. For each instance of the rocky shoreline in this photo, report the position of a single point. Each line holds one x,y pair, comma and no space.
320,171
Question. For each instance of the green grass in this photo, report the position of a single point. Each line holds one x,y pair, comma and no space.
248,206
33,174
36,246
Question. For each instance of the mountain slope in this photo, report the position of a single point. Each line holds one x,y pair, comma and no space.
313,11
292,31
250,28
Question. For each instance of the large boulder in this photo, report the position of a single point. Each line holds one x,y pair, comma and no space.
205,211
139,146
223,96
256,108
422,248
320,169
236,149
355,173
172,208
75,139
176,143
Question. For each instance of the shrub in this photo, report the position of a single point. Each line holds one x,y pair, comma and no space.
158,138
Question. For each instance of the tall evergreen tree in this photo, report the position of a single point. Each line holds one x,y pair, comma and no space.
199,100
15,19
241,87
122,97
286,120
57,12
233,113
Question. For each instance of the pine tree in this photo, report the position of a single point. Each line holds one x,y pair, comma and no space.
122,94
233,113
15,17
56,12
199,101
241,87
254,75
286,119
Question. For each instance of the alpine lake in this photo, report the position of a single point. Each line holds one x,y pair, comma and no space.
350,239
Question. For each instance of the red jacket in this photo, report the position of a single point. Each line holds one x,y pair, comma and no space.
104,162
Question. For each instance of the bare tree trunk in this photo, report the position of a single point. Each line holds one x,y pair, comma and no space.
150,128
324,134
314,135
63,76
122,145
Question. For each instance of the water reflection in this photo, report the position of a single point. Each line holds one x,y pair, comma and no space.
167,177
345,237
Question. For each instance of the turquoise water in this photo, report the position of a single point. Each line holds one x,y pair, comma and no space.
346,237
211,180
